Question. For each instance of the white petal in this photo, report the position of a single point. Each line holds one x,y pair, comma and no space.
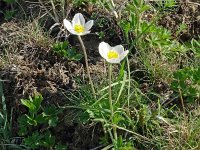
89,25
67,24
84,33
104,48
78,19
73,32
113,61
119,49
123,55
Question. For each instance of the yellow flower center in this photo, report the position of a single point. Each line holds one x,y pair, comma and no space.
79,28
112,54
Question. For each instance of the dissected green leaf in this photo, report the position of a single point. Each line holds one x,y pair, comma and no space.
29,104
37,101
31,120
48,140
34,140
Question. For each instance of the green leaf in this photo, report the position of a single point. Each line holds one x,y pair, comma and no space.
37,101
121,72
48,140
77,57
144,8
64,50
84,117
73,55
31,120
33,104
51,112
8,14
28,104
22,121
170,3
53,121
60,147
117,118
41,119
34,141
9,1
23,131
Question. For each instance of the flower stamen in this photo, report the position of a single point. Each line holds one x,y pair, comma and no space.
79,28
112,54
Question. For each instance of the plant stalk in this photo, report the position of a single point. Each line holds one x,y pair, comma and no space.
129,82
182,102
138,15
54,11
87,66
110,90
110,102
48,12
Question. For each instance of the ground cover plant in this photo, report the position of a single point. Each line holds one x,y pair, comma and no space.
99,75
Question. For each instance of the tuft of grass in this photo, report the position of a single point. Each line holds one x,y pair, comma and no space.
6,120
17,37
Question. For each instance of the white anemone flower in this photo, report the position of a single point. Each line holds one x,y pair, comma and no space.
112,54
78,25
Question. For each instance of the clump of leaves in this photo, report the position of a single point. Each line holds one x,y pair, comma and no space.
166,5
194,45
65,50
37,116
187,81
9,1
8,13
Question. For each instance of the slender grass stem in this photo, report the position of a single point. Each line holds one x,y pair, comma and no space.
87,66
4,112
182,102
49,13
115,133
138,15
129,81
113,8
54,10
63,8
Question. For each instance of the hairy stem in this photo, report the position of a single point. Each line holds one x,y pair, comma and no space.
110,90
110,102
87,66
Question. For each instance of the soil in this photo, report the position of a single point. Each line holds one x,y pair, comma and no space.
188,14
32,68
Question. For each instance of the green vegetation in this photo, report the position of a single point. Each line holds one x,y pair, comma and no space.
140,92
28,122
64,50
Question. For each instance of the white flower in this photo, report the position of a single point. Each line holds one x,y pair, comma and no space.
78,25
112,54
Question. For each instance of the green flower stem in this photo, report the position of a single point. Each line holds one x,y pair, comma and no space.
87,66
110,101
110,90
